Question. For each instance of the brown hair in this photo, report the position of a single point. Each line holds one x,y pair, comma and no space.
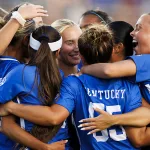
48,87
96,44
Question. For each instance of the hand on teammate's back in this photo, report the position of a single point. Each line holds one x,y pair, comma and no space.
101,122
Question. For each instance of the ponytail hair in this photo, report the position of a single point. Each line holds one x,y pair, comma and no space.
49,84
45,61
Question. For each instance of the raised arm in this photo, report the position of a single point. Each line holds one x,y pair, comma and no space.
111,70
42,115
21,136
8,31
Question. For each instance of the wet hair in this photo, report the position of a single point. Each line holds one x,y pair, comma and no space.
96,44
121,33
3,12
28,28
49,84
101,15
61,24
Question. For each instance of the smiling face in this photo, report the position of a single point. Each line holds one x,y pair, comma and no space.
69,53
141,35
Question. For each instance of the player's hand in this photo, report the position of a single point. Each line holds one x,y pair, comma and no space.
4,108
57,145
29,11
103,121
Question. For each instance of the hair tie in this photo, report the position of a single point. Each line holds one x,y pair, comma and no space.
43,38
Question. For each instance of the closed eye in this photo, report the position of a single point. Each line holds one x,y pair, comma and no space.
138,27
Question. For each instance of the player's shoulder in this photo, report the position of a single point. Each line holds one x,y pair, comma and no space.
137,58
19,70
72,80
128,84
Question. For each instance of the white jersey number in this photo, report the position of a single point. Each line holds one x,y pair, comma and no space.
111,132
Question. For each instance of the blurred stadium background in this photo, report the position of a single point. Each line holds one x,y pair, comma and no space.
127,10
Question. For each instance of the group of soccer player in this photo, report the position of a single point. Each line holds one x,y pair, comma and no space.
56,90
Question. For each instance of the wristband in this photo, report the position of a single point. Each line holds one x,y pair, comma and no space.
16,15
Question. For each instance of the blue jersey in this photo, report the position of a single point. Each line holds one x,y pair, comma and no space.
116,96
63,132
142,76
6,65
20,85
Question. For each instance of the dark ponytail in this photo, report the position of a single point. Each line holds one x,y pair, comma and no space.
47,68
49,84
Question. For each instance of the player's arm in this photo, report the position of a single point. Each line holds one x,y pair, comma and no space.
42,115
134,115
145,103
21,136
111,70
8,31
138,136
139,117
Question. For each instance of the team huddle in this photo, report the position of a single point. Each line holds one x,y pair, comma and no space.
73,86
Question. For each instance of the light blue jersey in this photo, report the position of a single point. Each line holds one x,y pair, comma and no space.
116,96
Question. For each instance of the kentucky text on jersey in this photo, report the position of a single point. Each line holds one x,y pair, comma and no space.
107,94
78,95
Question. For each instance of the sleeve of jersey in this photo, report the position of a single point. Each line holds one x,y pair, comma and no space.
12,66
68,94
134,99
11,85
142,63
